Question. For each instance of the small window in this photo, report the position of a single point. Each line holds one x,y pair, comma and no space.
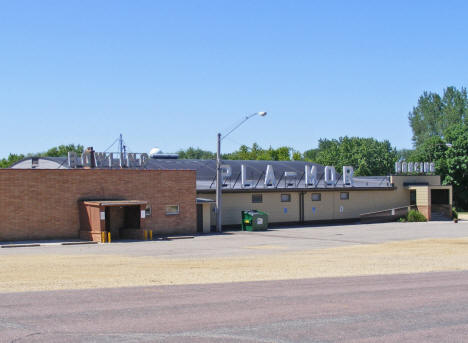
172,209
257,198
35,162
285,197
344,196
148,211
316,196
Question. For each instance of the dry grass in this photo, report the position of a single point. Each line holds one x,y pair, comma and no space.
54,272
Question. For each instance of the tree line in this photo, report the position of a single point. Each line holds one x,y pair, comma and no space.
58,151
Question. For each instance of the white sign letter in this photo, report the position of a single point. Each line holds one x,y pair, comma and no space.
348,173
244,181
72,159
330,175
226,172
310,175
289,175
397,167
270,179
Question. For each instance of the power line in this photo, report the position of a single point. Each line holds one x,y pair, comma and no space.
111,145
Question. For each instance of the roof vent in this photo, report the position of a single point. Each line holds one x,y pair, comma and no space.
158,154
155,151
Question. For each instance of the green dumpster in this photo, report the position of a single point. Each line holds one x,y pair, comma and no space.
253,220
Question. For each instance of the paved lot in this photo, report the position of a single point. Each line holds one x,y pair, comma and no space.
238,257
430,307
237,243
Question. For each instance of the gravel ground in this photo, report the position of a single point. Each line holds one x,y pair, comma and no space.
38,272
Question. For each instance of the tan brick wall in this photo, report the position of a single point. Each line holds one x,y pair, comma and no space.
43,204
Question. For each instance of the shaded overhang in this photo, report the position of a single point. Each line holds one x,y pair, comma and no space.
110,203
204,201
415,184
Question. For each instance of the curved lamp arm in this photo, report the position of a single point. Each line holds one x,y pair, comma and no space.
261,114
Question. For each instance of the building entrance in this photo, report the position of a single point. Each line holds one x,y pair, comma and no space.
123,219
440,204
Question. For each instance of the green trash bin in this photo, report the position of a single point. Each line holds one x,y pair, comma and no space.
253,220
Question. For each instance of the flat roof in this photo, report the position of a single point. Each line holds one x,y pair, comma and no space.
255,174
115,202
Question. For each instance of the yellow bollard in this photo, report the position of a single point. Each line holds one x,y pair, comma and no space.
108,237
145,233
151,235
103,237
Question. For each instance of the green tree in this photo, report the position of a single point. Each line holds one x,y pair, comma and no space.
58,151
433,149
450,155
404,154
367,155
12,158
257,153
297,156
456,163
434,113
62,150
311,155
196,153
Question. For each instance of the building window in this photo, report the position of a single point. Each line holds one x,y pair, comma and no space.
35,162
148,211
172,209
257,198
316,196
344,196
285,197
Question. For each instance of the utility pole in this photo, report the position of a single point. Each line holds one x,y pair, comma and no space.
219,181
219,186
121,148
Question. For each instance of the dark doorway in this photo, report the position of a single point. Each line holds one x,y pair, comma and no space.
440,204
122,221
199,218
440,196
412,197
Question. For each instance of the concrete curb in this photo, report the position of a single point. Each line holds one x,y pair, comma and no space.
177,237
78,243
20,245
27,245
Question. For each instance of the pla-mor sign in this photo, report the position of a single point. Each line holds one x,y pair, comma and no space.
414,167
310,176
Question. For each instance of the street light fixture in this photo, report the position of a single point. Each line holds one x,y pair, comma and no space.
219,182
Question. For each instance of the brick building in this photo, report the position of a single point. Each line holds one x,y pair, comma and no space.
177,196
58,203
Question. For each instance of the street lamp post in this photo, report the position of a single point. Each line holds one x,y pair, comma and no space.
219,181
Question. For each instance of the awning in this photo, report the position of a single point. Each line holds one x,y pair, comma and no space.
204,200
415,184
109,203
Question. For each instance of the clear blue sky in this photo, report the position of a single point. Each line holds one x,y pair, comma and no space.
173,73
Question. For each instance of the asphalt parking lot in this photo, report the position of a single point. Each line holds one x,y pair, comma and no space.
238,243
389,282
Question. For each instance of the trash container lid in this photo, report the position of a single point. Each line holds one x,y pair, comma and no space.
252,212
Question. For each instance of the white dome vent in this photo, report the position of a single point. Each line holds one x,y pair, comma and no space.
155,151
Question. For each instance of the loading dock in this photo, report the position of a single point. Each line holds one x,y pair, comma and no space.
435,202
123,219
